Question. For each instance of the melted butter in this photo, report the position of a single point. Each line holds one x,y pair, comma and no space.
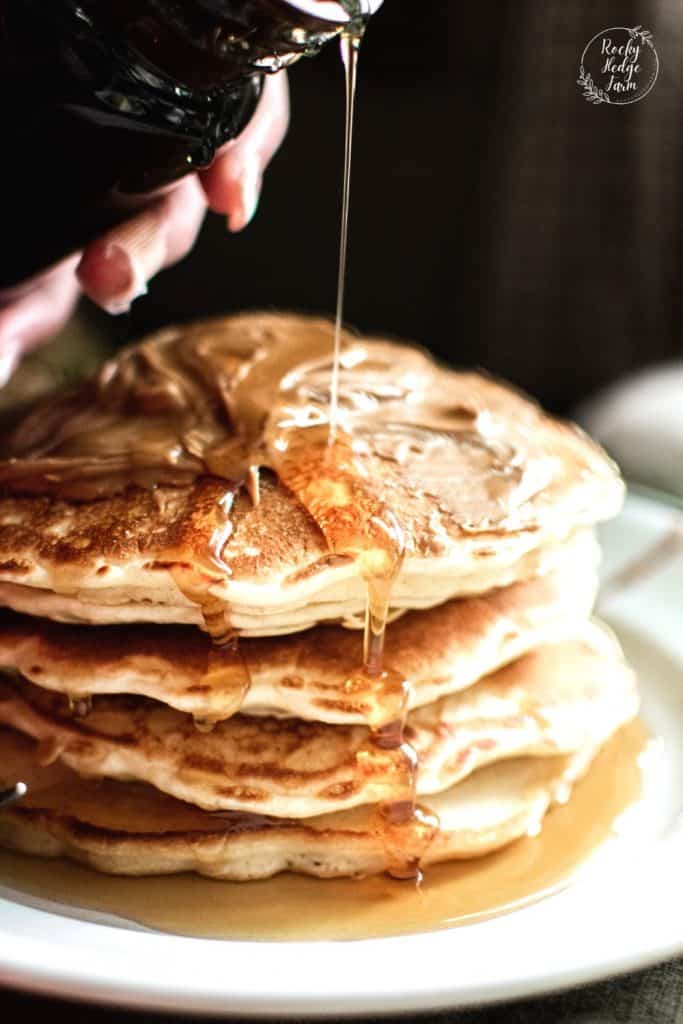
296,908
212,399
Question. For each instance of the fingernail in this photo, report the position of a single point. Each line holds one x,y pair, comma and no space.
122,283
250,193
9,357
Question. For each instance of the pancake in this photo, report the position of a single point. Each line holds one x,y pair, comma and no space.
342,601
193,483
132,829
441,650
555,700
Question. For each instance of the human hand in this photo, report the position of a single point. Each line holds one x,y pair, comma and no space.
115,269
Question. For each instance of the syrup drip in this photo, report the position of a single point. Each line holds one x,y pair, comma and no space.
195,581
350,509
226,672
406,828
80,705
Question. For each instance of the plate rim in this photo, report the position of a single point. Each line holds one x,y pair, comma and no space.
109,988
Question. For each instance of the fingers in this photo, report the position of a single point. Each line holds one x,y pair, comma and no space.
233,182
115,269
36,313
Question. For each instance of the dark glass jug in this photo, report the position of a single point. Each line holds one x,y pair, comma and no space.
103,102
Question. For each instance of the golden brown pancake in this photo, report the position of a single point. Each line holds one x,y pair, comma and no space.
556,700
135,500
441,650
133,829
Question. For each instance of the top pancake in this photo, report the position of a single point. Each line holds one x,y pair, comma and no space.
117,505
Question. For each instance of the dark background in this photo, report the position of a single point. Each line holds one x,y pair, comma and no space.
497,217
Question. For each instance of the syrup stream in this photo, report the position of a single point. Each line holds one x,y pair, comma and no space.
406,829
349,45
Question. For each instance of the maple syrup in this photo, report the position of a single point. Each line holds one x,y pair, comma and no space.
350,45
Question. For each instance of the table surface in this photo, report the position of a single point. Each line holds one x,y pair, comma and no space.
654,996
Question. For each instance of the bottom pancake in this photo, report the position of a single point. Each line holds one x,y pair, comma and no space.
132,829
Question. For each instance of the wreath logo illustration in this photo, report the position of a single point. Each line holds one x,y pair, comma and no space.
594,93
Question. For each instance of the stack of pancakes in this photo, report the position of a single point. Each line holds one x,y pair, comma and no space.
188,564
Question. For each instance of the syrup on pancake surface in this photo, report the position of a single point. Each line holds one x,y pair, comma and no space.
422,458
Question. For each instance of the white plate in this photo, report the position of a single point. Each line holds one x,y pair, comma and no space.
625,916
